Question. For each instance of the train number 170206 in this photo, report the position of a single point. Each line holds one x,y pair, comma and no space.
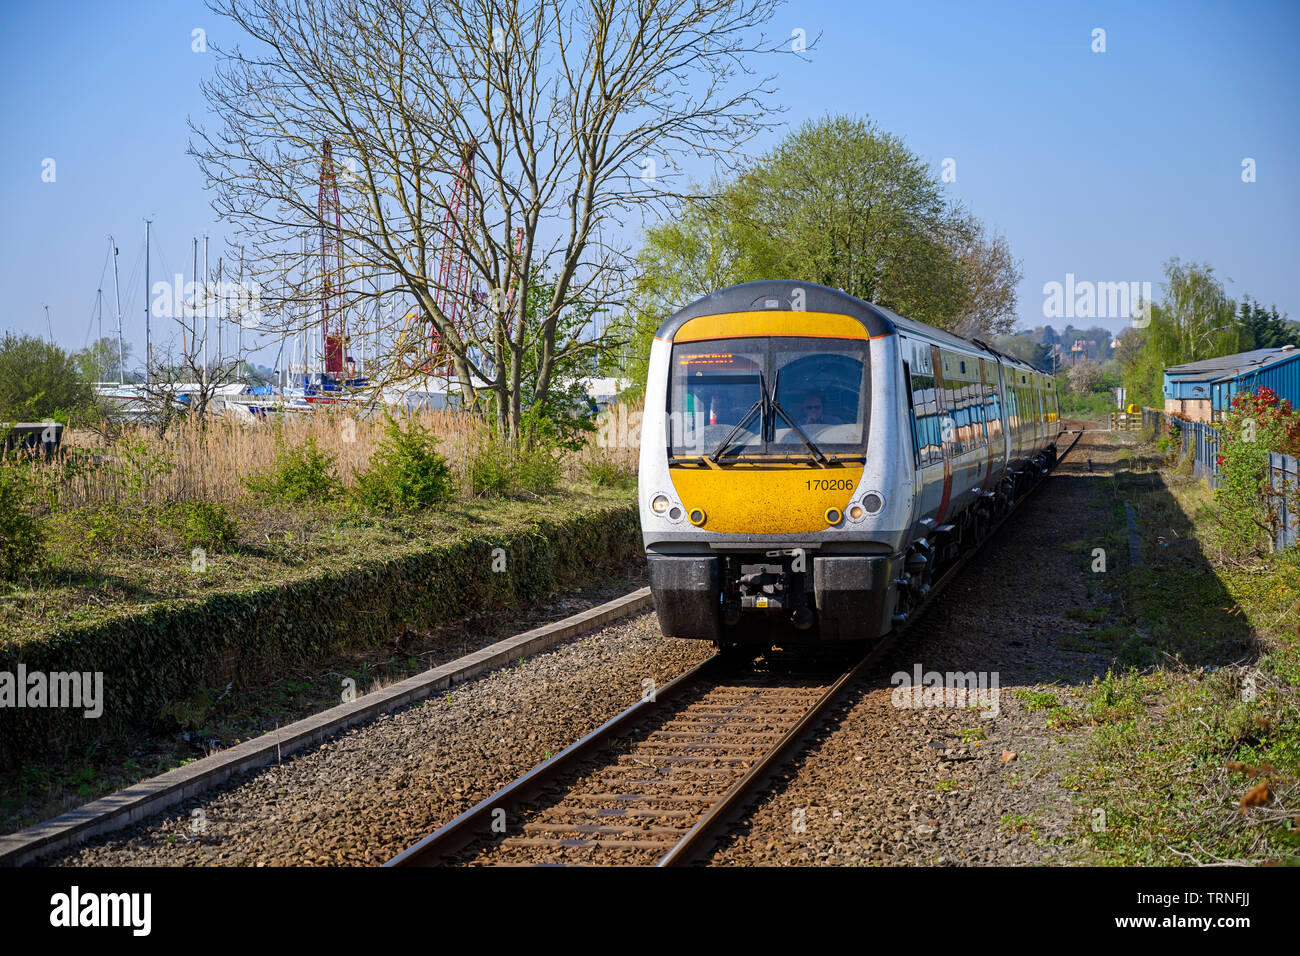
830,484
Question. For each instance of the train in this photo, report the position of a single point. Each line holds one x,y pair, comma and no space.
810,462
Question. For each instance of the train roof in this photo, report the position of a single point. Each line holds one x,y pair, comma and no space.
779,294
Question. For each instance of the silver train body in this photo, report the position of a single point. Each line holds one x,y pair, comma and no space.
874,450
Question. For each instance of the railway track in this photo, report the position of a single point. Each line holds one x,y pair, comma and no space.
655,784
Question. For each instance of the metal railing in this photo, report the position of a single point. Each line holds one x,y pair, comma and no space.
1199,441
1283,479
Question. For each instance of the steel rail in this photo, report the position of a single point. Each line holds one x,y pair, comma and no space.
728,806
476,822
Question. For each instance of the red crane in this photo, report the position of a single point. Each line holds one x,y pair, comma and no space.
328,211
452,293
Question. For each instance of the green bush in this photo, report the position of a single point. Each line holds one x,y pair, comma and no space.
604,473
490,469
406,471
536,468
500,468
206,524
1246,510
22,539
301,473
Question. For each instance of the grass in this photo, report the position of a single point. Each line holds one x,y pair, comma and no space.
144,555
1203,703
143,519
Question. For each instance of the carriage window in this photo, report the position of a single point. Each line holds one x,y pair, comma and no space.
926,412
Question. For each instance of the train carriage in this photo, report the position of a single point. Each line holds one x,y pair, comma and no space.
810,461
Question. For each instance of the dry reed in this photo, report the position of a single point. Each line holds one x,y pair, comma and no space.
198,461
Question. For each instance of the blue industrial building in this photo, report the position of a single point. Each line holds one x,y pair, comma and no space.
1202,391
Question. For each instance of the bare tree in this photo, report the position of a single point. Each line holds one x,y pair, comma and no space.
575,111
990,274
185,378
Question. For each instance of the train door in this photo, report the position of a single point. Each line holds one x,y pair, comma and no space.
947,430
995,443
912,411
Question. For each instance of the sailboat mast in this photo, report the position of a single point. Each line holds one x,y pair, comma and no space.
148,339
99,337
117,296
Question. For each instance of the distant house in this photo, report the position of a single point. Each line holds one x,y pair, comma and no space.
1081,349
1202,391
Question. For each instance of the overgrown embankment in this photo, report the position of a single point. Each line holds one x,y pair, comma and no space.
1199,759
155,654
161,566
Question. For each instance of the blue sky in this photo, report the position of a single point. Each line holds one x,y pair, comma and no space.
1101,165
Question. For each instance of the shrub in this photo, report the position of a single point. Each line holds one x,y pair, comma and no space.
605,473
500,468
489,472
536,468
300,473
22,539
206,524
1171,442
405,471
1256,424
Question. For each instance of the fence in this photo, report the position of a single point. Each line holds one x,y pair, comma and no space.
1200,442
1283,477
1126,422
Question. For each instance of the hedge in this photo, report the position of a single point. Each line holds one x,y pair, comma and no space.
164,653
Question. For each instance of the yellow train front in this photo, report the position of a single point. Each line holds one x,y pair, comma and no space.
810,461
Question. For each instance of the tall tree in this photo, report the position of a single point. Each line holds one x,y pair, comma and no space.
39,380
576,108
841,203
1194,320
101,362
1265,328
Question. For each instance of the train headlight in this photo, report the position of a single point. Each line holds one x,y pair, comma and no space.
659,504
872,501
856,513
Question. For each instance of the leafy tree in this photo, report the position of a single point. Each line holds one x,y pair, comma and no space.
101,362
841,203
1195,320
1084,377
39,381
1265,328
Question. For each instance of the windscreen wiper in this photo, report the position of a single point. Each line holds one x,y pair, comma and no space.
778,410
759,406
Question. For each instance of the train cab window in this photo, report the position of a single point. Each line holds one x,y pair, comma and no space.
824,388
715,385
821,385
